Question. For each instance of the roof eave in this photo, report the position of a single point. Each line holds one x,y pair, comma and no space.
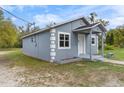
55,26
86,28
39,31
89,28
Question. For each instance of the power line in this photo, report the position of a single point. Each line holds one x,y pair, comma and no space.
15,16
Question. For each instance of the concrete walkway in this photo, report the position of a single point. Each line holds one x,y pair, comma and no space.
114,61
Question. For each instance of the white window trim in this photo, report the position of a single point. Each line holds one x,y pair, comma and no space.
59,40
94,40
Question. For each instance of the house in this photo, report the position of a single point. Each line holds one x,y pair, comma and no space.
72,39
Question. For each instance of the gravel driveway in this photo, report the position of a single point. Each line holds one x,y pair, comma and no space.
8,75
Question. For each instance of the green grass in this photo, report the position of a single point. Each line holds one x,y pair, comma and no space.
118,53
8,49
72,74
22,60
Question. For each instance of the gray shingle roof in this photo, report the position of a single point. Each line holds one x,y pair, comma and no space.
59,24
86,27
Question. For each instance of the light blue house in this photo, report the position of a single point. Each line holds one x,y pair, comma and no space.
65,42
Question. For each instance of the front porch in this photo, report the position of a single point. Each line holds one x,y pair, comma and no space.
83,58
94,57
91,29
87,38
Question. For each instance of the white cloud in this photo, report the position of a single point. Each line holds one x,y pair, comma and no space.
119,10
116,21
9,8
43,6
114,14
117,16
44,19
13,19
74,11
20,7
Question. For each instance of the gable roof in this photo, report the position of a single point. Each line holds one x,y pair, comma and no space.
90,26
86,27
56,25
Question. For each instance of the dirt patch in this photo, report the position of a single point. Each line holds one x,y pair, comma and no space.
66,79
2,53
45,79
113,81
12,75
8,75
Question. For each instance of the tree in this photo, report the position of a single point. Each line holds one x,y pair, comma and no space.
93,19
8,32
1,15
104,22
50,24
115,36
36,28
110,38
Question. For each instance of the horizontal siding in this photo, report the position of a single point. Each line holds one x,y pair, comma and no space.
73,51
94,47
39,49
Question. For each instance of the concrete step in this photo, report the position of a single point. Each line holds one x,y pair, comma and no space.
70,60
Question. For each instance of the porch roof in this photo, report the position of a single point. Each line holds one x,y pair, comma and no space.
86,28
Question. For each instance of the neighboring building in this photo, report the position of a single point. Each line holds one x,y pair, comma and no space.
73,39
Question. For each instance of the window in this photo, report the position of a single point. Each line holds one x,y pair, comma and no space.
63,40
93,40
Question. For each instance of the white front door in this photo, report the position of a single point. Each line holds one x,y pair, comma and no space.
81,44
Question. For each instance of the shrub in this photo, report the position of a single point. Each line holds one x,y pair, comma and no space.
108,47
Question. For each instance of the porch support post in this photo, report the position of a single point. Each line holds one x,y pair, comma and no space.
102,52
91,44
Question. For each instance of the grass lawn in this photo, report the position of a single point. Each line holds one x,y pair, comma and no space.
41,73
118,53
8,49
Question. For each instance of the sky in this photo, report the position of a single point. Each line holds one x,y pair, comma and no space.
44,14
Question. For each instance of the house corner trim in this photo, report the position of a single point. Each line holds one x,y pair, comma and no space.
52,45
